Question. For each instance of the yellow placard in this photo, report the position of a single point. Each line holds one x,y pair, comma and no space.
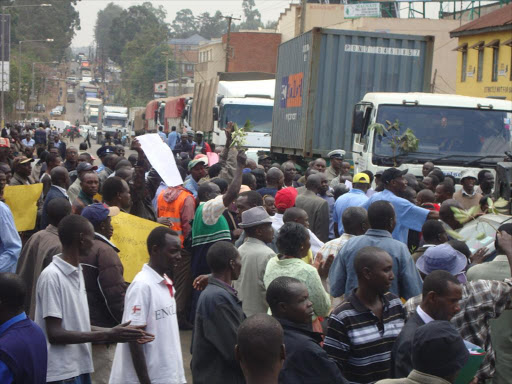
130,236
22,199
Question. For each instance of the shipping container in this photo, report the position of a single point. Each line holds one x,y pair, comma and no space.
323,73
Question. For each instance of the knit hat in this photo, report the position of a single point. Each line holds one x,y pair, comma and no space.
285,198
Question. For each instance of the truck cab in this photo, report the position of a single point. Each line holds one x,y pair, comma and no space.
454,132
115,118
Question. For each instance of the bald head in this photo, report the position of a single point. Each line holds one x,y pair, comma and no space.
275,178
60,177
294,214
57,209
425,196
314,182
368,260
355,220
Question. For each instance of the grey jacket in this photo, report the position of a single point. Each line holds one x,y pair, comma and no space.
318,213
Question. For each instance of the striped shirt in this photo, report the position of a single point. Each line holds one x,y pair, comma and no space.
359,342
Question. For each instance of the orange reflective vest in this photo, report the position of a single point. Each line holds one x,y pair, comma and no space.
173,211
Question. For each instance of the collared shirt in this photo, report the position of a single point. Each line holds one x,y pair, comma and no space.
61,294
191,185
408,215
172,139
6,375
64,192
354,198
330,173
162,135
343,277
415,377
10,242
424,316
482,301
148,302
29,143
361,343
333,247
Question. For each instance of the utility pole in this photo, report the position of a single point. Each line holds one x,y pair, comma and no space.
228,40
303,4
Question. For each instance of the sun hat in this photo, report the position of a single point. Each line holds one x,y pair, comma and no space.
442,257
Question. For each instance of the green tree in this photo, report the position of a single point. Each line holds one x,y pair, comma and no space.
212,26
102,28
252,16
184,24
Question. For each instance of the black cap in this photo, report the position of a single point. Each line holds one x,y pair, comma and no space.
105,150
391,174
263,157
438,349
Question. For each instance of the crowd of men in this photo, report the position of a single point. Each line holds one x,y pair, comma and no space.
283,276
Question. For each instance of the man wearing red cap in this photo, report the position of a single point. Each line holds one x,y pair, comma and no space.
285,198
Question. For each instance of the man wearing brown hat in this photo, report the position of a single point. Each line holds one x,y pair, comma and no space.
255,254
22,169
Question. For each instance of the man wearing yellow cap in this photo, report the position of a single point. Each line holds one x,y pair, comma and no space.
354,198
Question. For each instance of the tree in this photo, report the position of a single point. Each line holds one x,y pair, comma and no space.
252,16
184,24
102,28
271,25
212,26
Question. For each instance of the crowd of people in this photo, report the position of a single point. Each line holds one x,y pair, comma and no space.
283,276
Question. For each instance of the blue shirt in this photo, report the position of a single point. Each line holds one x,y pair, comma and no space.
343,277
408,215
6,375
10,242
354,198
191,185
172,139
162,135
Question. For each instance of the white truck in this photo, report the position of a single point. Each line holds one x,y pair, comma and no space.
91,110
454,132
115,118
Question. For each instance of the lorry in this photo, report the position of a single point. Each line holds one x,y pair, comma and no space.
236,97
91,110
136,120
115,118
70,95
153,116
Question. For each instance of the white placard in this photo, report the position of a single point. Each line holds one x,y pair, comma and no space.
353,11
161,158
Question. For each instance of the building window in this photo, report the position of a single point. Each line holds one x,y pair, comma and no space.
464,66
495,62
480,64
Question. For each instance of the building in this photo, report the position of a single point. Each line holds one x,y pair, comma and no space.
249,51
484,62
185,54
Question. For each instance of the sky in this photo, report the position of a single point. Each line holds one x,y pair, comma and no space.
88,9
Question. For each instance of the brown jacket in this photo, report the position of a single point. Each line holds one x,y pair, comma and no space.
104,282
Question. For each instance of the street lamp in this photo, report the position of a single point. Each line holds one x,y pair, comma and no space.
32,94
19,63
2,93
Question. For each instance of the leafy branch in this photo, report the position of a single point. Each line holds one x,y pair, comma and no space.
398,142
238,135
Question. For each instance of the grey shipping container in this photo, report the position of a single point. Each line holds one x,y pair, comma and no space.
323,73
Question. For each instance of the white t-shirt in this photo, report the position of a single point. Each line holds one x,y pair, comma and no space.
61,294
148,302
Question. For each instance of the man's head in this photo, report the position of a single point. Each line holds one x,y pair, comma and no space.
247,200
431,182
208,191
381,215
60,177
468,181
336,158
100,217
285,198
164,248
5,148
57,209
221,183
443,257
89,183
71,154
275,178
259,348
507,227
427,168
434,232
442,293
297,215
293,240
374,269
444,191
116,192
6,170
320,165
22,165
28,152
437,172
3,183
248,179
52,160
393,180
355,221
446,214
251,164
257,224
199,137
486,181
110,161
269,203
265,161
12,295
289,171
288,299
425,196
76,233
361,181
197,168
339,190
224,260
85,157
314,182
438,350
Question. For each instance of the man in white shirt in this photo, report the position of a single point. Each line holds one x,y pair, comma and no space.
62,311
150,303
28,141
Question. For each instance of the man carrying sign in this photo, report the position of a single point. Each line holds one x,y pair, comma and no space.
10,242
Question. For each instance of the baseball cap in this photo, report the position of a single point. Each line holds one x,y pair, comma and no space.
337,153
468,173
98,212
4,142
190,133
83,167
361,178
438,349
254,216
443,257
285,198
193,163
391,174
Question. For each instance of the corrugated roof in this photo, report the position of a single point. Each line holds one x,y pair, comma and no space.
192,40
499,18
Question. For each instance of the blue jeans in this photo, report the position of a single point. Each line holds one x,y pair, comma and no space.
82,379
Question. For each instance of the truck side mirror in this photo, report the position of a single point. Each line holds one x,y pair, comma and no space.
358,121
215,113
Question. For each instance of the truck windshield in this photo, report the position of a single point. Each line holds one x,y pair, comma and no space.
93,119
113,122
260,116
448,135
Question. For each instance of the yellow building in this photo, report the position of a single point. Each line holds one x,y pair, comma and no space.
484,60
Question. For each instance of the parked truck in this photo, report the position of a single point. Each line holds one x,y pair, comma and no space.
115,118
235,97
136,120
92,110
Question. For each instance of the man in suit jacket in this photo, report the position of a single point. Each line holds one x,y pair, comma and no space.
441,295
60,184
316,207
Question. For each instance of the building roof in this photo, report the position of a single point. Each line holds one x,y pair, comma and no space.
192,40
498,20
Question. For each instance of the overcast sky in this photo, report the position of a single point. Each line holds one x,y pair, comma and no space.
270,10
